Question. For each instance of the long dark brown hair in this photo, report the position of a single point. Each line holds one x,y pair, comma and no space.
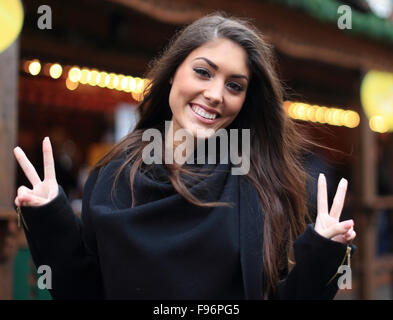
275,161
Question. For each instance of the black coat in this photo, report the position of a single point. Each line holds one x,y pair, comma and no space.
167,248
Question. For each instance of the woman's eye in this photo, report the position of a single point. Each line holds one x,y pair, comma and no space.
202,72
235,86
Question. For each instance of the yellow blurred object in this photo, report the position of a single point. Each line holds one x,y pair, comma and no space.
71,85
75,74
34,67
376,94
137,96
321,114
11,21
377,124
55,71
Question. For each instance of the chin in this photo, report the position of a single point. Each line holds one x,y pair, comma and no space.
202,133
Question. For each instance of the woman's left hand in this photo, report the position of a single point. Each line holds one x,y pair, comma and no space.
328,224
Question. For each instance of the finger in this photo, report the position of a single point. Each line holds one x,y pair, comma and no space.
322,197
49,163
23,190
23,194
351,236
26,166
339,198
30,200
339,238
338,229
35,201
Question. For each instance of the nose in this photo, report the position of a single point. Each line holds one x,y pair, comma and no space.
214,92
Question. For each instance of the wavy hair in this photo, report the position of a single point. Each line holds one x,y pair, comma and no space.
276,169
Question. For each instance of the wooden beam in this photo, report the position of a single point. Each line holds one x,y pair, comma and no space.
169,11
366,217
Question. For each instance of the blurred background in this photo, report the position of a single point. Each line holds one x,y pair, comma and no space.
74,71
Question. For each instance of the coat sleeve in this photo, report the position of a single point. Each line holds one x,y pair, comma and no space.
59,239
315,275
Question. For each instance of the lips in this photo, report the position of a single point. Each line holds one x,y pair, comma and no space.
202,114
207,109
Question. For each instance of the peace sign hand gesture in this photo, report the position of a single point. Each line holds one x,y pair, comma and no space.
328,224
43,191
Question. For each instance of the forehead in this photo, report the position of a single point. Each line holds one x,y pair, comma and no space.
226,54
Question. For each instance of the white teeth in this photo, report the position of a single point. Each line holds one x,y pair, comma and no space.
203,113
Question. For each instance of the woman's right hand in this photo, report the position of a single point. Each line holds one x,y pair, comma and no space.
43,191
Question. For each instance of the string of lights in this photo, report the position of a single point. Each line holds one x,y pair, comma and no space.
74,76
321,114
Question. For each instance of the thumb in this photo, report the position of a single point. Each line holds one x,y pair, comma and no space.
338,228
30,200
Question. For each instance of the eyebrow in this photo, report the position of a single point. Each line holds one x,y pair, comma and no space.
215,67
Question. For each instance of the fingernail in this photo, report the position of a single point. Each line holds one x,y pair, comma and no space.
350,224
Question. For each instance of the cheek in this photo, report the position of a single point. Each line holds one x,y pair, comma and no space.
181,92
235,106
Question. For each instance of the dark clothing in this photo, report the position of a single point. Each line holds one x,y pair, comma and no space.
165,247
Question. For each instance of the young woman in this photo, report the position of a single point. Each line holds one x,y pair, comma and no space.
176,230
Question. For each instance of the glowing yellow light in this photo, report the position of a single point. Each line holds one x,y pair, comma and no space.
352,119
311,113
302,111
94,78
34,67
85,76
71,85
111,83
376,94
118,83
320,114
314,113
336,117
293,110
138,96
127,88
107,80
286,106
132,84
139,85
55,71
11,21
147,85
290,110
124,84
328,115
75,74
102,82
378,124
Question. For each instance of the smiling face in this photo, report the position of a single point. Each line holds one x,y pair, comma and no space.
209,87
